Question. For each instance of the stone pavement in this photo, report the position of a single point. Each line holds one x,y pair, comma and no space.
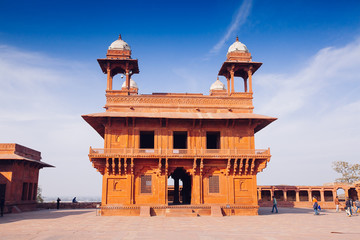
289,223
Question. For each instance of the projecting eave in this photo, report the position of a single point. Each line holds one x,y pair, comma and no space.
240,72
97,120
15,157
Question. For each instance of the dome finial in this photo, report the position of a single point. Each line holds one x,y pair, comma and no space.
237,38
119,36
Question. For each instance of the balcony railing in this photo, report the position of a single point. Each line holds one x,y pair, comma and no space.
177,152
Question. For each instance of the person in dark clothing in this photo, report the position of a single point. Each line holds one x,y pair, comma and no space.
58,203
348,207
74,200
2,204
274,205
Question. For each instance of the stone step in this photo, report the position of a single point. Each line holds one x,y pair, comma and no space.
180,212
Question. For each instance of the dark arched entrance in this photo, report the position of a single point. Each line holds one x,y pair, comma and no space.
181,196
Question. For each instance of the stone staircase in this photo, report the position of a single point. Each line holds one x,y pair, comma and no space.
181,212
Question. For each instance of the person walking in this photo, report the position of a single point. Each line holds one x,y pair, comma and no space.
274,205
58,203
357,205
337,203
315,206
348,207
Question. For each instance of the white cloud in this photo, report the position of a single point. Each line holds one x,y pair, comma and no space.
41,100
240,18
319,110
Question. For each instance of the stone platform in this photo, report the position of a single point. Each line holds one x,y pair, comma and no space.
289,223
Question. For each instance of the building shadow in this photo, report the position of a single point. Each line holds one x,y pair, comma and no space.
291,210
42,214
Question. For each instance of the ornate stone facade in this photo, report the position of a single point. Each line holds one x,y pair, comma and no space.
205,142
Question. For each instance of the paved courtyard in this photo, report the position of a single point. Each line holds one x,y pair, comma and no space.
289,223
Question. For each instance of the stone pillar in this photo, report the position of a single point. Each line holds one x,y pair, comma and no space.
259,194
309,195
250,79
285,194
232,80
297,196
228,85
109,78
245,85
127,80
322,196
176,191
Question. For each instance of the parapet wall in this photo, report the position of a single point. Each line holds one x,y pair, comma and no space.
68,205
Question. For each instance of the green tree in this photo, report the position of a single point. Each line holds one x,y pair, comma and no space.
350,173
39,197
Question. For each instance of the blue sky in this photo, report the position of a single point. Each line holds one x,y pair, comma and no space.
49,76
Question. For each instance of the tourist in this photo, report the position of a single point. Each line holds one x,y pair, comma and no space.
2,204
58,203
337,203
274,205
74,200
357,205
352,203
315,206
348,207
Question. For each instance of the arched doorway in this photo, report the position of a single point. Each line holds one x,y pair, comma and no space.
180,194
340,193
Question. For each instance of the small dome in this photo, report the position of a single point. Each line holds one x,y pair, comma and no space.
132,84
238,46
217,85
119,45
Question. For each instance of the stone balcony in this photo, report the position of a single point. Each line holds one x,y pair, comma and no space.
178,153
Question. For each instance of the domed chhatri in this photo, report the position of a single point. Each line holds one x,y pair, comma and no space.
119,44
238,46
132,84
119,49
217,85
238,52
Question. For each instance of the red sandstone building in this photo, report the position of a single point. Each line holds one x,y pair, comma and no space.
204,141
19,174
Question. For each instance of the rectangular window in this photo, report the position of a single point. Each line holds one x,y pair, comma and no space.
24,191
147,139
213,140
179,140
30,192
214,184
35,192
145,184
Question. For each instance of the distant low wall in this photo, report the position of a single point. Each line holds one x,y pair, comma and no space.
68,205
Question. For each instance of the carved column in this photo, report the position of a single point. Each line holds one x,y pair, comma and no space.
297,196
109,78
250,78
259,194
309,195
346,192
322,195
228,85
232,79
245,85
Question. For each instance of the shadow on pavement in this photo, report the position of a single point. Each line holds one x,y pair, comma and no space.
267,211
41,214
